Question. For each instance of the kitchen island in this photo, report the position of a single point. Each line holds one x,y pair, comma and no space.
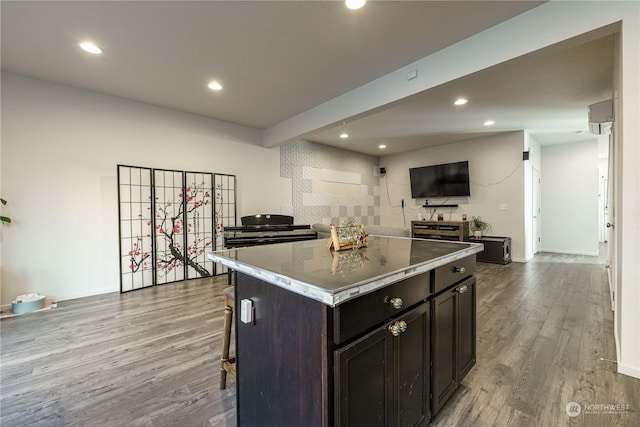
380,335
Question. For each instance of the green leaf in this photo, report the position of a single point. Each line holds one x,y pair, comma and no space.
5,219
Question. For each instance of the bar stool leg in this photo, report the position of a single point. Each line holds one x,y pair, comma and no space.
226,341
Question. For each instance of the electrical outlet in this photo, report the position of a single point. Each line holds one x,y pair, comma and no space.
246,311
503,206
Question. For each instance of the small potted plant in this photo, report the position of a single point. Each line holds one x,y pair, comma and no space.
478,226
4,219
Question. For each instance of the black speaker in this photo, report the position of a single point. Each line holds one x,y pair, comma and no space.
383,171
525,155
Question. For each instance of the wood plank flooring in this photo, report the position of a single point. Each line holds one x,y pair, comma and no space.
147,358
151,357
543,328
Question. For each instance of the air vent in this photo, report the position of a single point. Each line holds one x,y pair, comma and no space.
600,117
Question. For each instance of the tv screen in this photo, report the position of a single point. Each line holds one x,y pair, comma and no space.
446,180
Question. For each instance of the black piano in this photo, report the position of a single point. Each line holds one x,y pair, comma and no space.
265,229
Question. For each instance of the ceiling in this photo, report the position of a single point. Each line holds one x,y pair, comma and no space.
546,93
276,60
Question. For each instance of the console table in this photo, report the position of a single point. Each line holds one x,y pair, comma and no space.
445,230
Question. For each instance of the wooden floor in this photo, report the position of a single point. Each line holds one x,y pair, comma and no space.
543,329
151,357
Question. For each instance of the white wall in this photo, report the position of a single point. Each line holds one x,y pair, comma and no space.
627,216
60,148
496,171
570,198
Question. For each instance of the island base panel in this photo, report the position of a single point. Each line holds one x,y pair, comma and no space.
281,359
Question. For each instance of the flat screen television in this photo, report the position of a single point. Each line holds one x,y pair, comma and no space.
445,180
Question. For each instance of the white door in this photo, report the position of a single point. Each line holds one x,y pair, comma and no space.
536,211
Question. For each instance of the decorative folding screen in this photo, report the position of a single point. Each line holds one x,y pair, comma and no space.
169,221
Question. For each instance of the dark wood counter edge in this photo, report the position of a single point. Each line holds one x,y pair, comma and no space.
333,299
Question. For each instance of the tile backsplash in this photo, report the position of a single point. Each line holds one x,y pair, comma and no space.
330,185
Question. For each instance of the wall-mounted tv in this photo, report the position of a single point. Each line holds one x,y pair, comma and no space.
445,180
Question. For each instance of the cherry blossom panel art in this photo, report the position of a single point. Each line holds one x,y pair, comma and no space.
199,197
225,210
169,232
135,210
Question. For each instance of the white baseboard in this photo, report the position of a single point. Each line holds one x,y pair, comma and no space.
632,371
560,251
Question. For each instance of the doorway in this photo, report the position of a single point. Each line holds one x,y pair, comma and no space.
536,211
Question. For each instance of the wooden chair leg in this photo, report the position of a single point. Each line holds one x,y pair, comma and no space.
226,342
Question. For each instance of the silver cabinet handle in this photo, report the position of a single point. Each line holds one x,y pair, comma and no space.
461,270
462,289
398,327
396,303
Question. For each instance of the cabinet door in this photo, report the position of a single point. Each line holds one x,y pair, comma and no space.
453,335
382,379
411,369
443,340
361,381
466,326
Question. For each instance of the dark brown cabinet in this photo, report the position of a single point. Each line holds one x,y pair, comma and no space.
453,338
382,379
390,357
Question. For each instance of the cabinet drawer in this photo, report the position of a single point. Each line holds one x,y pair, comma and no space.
446,275
363,313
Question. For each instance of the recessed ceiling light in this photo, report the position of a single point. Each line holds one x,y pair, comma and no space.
355,4
214,86
344,135
489,123
91,48
460,101
382,146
